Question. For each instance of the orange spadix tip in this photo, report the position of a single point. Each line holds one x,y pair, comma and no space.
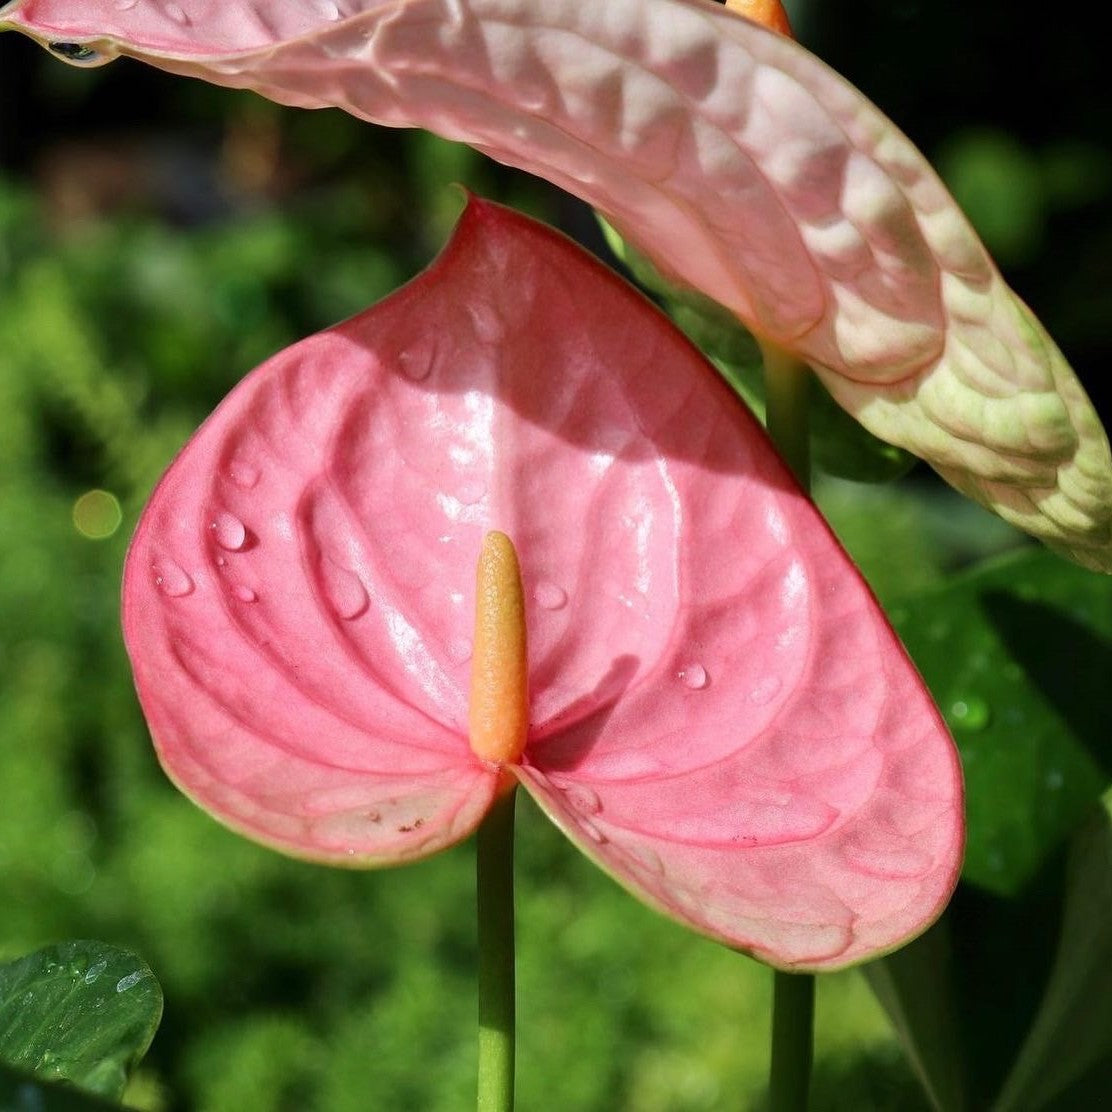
768,13
499,710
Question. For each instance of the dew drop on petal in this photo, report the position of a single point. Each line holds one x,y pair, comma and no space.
176,12
583,799
344,590
694,676
765,691
459,650
327,9
245,475
971,713
549,596
244,593
171,578
417,362
229,531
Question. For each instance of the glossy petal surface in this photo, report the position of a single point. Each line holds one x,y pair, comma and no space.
739,162
720,715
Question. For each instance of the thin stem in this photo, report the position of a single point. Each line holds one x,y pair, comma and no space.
793,1013
787,386
495,884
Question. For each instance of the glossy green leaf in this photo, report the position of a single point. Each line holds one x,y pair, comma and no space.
839,445
1018,655
79,1012
1072,1033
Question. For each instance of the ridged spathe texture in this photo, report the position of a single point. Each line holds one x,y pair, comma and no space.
730,155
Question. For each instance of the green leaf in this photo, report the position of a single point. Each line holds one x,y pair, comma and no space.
21,1092
80,1012
1018,655
839,445
1072,1032
915,987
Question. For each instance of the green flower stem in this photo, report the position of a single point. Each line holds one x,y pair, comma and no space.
793,1013
495,883
787,385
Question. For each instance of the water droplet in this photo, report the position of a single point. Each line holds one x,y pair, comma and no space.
344,590
471,492
694,676
130,981
176,13
327,9
171,579
245,475
583,798
549,596
1054,779
417,362
229,531
459,650
765,691
970,713
244,593
75,52
95,971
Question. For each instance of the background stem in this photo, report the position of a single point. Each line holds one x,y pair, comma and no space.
495,890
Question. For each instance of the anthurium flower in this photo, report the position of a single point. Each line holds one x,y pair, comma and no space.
711,704
737,161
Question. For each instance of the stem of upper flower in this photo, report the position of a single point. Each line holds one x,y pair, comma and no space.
787,385
495,885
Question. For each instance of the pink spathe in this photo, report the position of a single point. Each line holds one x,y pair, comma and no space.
721,717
